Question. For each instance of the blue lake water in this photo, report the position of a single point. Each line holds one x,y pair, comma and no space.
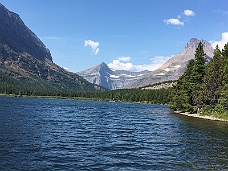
54,134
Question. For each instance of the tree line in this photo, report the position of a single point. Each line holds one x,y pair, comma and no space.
15,87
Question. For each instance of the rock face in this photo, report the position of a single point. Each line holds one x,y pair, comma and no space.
104,76
24,58
19,37
175,66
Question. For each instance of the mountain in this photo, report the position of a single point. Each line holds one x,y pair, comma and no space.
104,76
171,70
26,63
175,66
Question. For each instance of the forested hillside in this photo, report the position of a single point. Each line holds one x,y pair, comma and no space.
203,88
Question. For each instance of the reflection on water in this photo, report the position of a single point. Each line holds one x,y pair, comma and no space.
51,134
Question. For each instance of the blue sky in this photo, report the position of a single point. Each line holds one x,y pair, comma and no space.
125,34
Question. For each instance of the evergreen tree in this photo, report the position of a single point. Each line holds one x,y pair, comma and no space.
198,75
223,89
183,99
211,79
199,67
189,85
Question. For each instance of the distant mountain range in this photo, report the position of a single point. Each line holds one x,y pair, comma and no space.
25,60
171,70
111,79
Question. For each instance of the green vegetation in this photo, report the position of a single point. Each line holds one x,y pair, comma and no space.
12,81
161,96
203,88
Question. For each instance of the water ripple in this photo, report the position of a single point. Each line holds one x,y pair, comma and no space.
50,134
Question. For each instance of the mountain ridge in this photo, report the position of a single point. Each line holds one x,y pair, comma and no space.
102,75
26,60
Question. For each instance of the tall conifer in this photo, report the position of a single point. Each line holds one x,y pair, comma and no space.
223,89
211,79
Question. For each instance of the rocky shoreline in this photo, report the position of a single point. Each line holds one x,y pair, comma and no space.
201,116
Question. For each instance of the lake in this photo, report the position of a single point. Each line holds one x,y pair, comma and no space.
58,134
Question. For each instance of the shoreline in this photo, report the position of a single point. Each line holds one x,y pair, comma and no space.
201,116
207,117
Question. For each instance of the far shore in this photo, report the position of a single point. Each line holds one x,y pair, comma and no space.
95,99
201,116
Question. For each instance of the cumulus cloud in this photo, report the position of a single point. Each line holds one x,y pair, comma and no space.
93,45
118,65
173,21
189,13
123,63
221,42
177,21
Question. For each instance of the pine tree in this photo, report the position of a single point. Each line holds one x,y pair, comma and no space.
223,89
198,74
211,79
183,99
189,85
199,67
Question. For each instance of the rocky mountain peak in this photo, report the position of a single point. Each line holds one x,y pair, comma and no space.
103,66
193,43
15,34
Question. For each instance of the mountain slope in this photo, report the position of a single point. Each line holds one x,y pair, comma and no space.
19,37
175,66
102,75
25,59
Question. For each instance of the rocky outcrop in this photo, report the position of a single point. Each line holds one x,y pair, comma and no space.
175,66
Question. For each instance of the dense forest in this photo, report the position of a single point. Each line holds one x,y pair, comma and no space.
161,96
203,88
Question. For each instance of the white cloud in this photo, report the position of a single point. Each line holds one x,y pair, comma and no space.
174,21
189,13
124,58
118,65
123,63
93,45
222,42
177,21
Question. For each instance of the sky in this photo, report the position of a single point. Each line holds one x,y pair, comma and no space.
133,35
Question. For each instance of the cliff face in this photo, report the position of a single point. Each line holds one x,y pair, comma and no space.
16,35
175,66
24,58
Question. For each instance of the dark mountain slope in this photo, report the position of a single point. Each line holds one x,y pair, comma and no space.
25,60
15,34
